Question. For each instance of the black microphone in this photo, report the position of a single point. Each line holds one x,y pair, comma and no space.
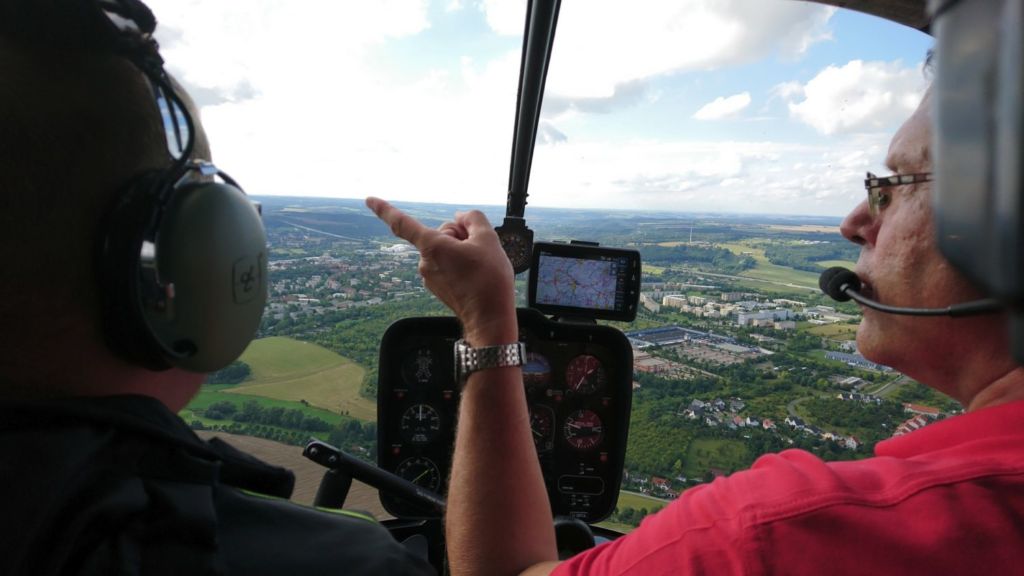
842,284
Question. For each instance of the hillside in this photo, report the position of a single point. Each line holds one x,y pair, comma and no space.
289,369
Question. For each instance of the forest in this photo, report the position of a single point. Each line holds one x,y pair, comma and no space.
702,257
807,256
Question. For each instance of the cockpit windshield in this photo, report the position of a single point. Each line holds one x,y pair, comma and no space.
723,141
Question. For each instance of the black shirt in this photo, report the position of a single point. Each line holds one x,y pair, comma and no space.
120,485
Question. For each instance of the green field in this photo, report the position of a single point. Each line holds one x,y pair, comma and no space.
783,274
839,331
620,528
765,270
638,501
831,263
211,393
290,370
775,289
653,270
704,453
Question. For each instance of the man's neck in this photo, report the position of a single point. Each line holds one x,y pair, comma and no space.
1007,388
88,372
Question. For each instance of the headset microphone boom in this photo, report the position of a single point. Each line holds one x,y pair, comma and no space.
842,284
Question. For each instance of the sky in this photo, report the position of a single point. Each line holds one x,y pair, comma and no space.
731,106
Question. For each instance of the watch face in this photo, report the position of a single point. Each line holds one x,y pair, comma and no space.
518,245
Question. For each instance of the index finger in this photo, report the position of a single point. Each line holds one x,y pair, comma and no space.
402,225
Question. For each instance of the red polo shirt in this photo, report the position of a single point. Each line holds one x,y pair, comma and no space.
946,499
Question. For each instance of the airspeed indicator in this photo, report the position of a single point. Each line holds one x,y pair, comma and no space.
420,424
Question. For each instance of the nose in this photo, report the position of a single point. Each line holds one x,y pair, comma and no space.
859,226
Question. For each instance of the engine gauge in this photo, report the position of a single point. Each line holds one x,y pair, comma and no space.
542,425
420,424
418,367
536,371
421,471
584,374
583,430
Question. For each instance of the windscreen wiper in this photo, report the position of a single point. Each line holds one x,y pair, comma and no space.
541,19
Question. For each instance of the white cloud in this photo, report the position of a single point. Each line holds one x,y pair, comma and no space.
856,97
296,102
734,176
723,107
505,17
602,44
217,45
334,99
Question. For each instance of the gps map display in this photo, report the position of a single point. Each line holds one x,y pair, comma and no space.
585,280
579,283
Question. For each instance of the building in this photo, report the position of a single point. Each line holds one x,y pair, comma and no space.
649,302
771,316
856,360
674,301
913,423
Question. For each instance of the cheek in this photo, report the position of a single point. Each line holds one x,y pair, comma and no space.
906,243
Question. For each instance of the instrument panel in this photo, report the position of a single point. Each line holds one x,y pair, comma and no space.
578,386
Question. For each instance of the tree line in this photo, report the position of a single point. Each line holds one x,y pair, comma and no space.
807,256
719,259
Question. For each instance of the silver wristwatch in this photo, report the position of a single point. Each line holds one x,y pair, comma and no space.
469,359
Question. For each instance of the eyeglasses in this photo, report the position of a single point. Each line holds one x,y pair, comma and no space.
878,199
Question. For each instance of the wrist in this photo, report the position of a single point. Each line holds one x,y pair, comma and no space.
502,328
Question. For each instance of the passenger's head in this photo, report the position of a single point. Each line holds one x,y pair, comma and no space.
76,123
900,265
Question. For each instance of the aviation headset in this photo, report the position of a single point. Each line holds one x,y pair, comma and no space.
181,259
978,143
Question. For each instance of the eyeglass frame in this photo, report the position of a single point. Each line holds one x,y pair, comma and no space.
874,185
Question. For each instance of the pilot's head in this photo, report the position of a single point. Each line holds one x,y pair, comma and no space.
76,123
900,265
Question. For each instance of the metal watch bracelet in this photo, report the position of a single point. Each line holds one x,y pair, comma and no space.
469,359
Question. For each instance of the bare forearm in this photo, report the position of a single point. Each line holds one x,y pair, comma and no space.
499,519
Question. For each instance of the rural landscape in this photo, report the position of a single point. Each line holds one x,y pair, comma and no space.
736,352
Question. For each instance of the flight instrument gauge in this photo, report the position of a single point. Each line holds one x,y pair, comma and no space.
536,371
417,367
420,424
542,425
421,472
517,241
583,430
585,374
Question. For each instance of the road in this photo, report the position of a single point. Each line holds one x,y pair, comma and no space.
897,382
791,407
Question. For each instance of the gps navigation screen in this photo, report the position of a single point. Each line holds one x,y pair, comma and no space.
580,283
